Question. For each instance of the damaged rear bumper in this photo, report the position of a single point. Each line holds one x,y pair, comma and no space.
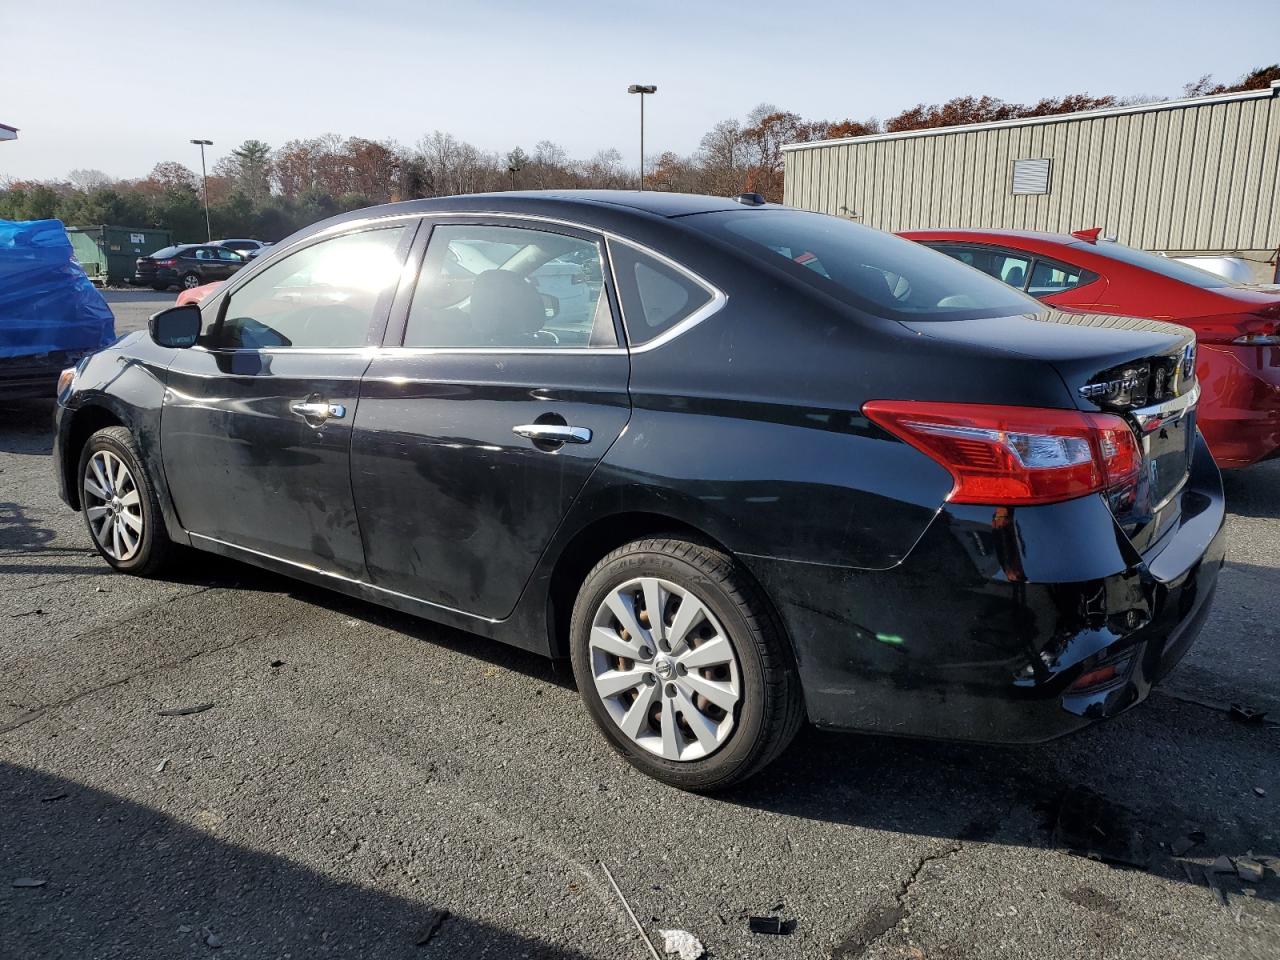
1004,626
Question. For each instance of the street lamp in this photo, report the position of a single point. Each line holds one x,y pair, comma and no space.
642,89
204,186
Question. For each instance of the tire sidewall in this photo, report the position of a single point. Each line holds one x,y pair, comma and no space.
106,440
744,745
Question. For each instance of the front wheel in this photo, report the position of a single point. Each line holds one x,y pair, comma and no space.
120,504
682,665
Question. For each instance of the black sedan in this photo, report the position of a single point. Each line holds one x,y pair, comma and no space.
187,265
784,467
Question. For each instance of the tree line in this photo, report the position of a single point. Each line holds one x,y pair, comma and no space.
265,192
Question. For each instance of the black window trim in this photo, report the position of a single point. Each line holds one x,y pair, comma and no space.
942,246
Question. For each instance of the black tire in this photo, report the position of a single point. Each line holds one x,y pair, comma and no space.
155,551
159,287
771,708
191,280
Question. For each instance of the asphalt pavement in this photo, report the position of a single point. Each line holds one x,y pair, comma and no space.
369,785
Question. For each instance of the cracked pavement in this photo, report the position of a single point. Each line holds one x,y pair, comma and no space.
361,771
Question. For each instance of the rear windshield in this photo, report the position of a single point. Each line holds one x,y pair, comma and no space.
1164,266
165,252
873,271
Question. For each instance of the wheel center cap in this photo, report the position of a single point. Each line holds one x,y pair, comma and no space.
664,668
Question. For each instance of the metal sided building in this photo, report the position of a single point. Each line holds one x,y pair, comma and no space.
1183,177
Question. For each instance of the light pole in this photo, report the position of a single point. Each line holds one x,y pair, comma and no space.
642,89
204,187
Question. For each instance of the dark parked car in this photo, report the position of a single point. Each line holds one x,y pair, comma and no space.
785,467
186,265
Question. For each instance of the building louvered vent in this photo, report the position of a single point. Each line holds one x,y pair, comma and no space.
1031,176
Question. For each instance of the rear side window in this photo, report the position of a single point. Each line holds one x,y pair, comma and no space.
1048,278
656,297
873,271
1004,265
487,287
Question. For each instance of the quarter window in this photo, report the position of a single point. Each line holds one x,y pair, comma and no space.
1049,278
325,295
655,296
510,287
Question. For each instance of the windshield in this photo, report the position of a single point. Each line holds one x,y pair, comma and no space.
873,271
1164,266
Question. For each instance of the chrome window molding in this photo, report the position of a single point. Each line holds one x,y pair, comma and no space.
387,353
718,297
310,568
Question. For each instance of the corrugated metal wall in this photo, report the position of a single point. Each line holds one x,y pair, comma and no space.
1196,177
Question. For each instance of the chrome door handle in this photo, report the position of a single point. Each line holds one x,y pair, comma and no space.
318,410
552,433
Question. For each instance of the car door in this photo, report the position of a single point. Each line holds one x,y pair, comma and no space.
256,426
481,420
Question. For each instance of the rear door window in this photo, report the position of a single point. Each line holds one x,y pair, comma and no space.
489,287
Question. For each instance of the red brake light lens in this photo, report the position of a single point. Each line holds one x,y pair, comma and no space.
1017,455
166,263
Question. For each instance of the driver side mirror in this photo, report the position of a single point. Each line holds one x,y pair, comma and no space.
176,327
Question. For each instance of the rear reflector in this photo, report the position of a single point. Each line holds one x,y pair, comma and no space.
1017,455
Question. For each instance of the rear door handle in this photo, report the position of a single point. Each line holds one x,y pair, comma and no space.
318,410
552,433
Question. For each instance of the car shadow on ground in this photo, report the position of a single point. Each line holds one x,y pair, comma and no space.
1254,491
121,879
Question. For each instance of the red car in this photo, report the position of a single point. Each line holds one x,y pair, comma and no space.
197,294
1238,327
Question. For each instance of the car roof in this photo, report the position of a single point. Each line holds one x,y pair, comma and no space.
595,208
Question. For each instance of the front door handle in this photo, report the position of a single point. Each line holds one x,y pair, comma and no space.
552,433
318,410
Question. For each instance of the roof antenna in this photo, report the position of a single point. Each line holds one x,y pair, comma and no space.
750,200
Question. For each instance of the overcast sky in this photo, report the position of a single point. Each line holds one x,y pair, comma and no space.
119,86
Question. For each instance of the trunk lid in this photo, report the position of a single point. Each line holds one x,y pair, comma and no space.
1142,370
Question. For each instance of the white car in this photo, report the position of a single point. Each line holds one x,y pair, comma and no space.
245,247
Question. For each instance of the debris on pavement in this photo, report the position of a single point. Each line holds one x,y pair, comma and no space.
53,798
775,926
631,913
1183,844
435,920
1243,714
211,939
185,711
1211,878
24,882
1249,870
277,663
682,943
1091,826
1258,791
1222,864
161,765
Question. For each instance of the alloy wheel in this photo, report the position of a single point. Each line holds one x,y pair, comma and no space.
665,670
113,505
191,281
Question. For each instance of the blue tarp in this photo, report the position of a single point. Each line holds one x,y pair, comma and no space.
47,303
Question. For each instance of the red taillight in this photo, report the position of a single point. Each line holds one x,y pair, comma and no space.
1261,328
1016,455
166,263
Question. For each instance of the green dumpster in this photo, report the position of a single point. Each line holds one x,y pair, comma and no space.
119,247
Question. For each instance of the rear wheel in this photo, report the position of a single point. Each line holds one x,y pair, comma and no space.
682,665
191,280
120,504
